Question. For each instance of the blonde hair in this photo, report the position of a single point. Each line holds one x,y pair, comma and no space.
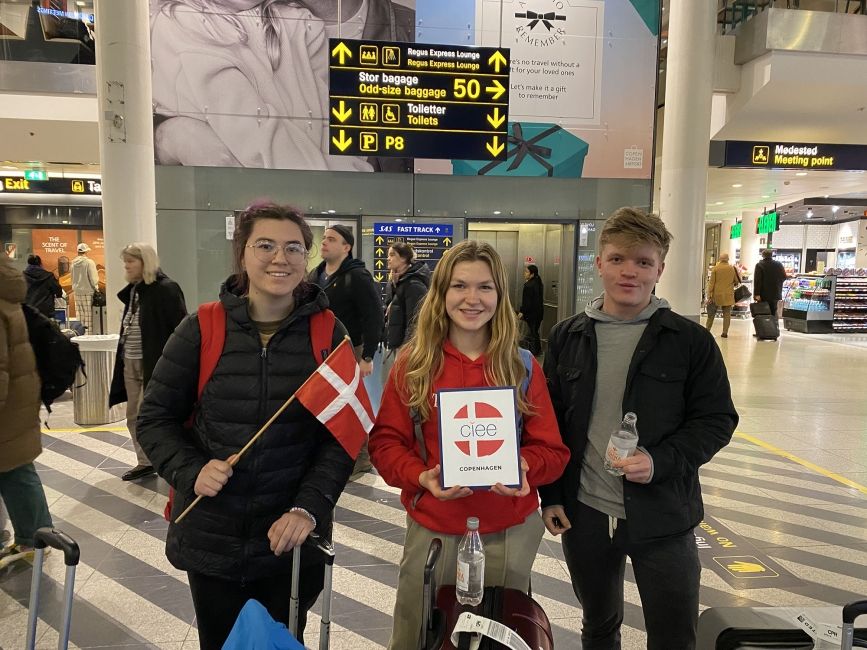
150,263
634,227
270,22
422,358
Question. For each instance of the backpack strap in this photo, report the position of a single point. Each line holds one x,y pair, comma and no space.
527,359
322,334
212,324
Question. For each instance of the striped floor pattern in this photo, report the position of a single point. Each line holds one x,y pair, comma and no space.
128,595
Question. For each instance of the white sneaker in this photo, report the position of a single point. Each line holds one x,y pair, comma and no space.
15,553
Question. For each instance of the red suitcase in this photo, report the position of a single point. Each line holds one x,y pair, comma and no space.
511,607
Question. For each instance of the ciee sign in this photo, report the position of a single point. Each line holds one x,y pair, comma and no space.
478,437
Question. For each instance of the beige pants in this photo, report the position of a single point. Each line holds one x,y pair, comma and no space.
509,557
727,317
84,309
133,380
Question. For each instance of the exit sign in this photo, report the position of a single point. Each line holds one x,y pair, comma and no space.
736,231
767,223
36,175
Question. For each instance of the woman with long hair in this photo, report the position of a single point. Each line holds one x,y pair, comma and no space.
153,305
236,544
465,337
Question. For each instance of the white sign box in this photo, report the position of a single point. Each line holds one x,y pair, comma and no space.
479,444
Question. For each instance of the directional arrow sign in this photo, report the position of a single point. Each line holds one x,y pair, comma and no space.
343,114
378,264
379,252
380,240
447,241
496,60
496,120
497,89
342,142
379,277
342,53
495,147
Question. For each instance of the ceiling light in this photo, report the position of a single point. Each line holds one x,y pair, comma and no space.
737,184
331,211
800,173
809,213
719,203
827,195
766,196
835,208
497,212
398,219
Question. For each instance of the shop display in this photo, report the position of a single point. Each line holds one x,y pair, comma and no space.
850,304
790,259
836,302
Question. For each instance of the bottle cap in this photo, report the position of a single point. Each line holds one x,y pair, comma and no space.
630,417
472,523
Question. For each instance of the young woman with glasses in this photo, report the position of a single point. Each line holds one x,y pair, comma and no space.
236,544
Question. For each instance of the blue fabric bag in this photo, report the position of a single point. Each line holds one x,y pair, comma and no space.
256,630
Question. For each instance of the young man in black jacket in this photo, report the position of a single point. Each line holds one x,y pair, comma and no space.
354,299
630,352
768,281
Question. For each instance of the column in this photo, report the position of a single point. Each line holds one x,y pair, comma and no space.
750,245
123,75
689,87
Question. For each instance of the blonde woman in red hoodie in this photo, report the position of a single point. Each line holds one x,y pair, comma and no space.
466,337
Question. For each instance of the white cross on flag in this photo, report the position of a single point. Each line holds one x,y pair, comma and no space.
336,395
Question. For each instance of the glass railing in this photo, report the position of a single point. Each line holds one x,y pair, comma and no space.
38,31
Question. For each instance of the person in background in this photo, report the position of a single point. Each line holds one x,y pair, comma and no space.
20,437
236,544
85,282
465,337
721,292
354,298
532,307
768,281
409,280
42,286
629,352
153,305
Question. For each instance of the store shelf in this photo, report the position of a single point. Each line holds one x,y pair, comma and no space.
850,304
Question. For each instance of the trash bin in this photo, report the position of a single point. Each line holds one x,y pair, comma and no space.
90,397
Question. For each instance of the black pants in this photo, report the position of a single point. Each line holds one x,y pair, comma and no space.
534,343
218,602
667,572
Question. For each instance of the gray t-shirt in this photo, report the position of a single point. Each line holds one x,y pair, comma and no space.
615,346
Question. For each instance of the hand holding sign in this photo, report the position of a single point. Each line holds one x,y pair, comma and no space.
522,491
430,481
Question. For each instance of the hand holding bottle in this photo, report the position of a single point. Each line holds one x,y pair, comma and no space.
636,468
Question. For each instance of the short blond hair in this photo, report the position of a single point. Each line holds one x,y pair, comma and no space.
150,263
633,227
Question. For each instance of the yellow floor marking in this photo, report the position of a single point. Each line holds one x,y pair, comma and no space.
806,463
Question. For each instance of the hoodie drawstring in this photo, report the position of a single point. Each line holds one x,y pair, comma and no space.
612,526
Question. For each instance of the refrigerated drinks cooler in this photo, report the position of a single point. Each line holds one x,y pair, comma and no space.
824,304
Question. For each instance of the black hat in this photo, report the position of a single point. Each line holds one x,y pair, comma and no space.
345,232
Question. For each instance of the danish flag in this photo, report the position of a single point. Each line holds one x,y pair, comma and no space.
336,396
474,412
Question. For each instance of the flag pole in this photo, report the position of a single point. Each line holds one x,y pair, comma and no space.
236,457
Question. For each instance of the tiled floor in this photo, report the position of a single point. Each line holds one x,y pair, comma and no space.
787,492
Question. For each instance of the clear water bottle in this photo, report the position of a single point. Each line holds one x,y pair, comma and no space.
622,443
470,577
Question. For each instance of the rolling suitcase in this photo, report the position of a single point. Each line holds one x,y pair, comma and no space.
766,324
71,555
850,613
325,625
517,611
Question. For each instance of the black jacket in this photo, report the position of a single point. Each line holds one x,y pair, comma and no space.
354,299
161,307
296,462
42,289
406,298
677,385
768,280
532,307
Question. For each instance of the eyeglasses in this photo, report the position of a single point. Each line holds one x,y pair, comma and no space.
266,251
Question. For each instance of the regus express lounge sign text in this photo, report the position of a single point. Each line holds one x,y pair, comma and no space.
789,155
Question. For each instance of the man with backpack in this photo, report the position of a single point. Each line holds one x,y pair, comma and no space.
20,438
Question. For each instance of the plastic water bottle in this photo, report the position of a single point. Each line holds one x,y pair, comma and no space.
470,577
622,443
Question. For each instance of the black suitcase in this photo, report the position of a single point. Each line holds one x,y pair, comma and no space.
71,555
767,327
760,309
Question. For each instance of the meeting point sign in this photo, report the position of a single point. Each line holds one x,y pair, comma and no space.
788,155
479,444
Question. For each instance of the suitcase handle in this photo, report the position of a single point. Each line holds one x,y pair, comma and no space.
854,610
59,540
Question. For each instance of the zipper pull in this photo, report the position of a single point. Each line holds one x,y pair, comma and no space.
264,352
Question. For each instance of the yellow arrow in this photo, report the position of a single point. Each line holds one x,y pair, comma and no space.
343,114
379,277
379,252
496,60
496,120
746,567
495,147
496,90
379,264
447,241
341,52
379,239
342,143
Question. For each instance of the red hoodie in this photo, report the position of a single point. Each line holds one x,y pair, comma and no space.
393,451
